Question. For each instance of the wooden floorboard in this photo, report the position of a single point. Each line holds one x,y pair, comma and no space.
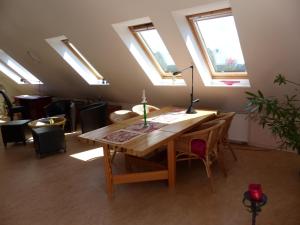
60,189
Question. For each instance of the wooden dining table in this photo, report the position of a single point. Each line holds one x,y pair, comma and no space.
133,138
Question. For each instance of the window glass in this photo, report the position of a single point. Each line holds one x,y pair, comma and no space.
15,71
222,44
76,60
158,50
219,43
154,47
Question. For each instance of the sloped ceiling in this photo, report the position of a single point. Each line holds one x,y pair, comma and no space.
269,32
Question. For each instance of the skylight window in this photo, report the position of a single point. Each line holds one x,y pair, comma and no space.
154,47
15,71
219,43
76,60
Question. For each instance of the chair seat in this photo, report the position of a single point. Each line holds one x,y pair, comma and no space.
139,109
121,115
198,147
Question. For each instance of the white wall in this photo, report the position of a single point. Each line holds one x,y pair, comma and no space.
269,33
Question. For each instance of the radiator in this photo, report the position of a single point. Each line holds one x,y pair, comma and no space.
239,129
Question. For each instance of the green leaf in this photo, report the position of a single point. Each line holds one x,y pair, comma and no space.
280,79
260,93
250,93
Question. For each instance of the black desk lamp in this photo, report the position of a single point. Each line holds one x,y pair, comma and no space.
190,109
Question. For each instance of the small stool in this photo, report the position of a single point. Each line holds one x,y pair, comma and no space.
48,139
14,131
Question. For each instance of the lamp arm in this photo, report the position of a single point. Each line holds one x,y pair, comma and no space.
190,109
189,67
192,95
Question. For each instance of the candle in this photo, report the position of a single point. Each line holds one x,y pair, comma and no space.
144,100
255,192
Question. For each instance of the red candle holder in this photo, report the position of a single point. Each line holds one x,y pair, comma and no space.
255,192
254,199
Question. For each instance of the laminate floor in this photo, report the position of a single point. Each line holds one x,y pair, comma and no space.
63,190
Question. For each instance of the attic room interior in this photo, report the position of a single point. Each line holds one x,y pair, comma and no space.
142,112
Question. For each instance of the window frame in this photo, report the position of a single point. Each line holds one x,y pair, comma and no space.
19,79
150,26
200,42
81,58
20,75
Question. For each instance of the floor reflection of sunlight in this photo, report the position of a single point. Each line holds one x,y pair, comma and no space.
89,155
73,132
30,140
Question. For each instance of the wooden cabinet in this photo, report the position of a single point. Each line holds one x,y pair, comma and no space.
34,105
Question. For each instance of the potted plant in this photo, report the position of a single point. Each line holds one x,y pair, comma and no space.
282,116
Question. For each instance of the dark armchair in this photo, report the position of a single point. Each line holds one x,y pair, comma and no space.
93,116
64,108
12,109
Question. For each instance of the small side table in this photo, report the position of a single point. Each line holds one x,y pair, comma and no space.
14,131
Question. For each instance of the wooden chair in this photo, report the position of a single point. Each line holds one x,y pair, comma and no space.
12,109
139,109
224,136
121,115
202,144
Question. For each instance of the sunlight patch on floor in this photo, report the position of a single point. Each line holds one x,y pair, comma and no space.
30,140
89,155
73,132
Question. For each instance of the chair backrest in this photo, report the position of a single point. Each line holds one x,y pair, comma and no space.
139,109
92,118
58,108
6,99
228,116
121,115
209,132
214,130
94,104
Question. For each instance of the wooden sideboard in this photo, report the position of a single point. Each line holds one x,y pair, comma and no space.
34,105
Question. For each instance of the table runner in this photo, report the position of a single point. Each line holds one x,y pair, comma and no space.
130,132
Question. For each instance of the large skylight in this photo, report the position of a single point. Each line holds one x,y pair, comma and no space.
134,36
151,42
15,71
219,42
76,60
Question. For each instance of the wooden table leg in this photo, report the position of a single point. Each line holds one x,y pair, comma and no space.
108,170
171,164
